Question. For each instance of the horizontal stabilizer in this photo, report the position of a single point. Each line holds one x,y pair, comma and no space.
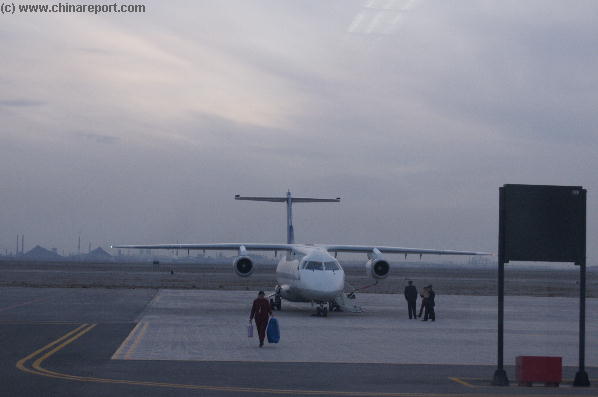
271,199
315,200
293,199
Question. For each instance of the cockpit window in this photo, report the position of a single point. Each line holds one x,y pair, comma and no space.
331,266
313,265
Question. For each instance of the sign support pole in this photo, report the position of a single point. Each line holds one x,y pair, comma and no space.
581,377
500,376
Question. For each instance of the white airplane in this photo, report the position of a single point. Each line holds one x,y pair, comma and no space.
307,272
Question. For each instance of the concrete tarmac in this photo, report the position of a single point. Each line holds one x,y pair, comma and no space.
61,342
211,326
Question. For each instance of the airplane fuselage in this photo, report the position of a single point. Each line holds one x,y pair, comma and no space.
310,274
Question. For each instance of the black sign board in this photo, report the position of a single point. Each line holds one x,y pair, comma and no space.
543,223
546,224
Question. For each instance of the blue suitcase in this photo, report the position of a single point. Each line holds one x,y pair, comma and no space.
273,332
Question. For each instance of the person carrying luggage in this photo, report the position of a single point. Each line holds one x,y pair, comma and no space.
261,312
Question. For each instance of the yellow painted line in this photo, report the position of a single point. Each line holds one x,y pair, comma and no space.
126,343
462,382
25,303
39,323
21,363
37,363
157,298
136,342
75,334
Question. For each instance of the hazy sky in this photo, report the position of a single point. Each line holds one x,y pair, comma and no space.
140,128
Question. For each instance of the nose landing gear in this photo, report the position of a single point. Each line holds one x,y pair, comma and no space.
322,310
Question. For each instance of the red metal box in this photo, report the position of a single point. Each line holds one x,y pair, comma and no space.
548,370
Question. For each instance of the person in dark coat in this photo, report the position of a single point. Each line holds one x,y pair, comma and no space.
430,313
411,298
424,295
261,312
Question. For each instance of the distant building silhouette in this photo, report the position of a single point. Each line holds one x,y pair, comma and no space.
98,254
41,253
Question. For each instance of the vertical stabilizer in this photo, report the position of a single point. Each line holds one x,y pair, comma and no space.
289,200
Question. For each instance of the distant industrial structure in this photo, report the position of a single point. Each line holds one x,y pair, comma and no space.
101,255
44,254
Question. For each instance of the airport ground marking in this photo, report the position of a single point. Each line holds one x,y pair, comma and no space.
136,342
461,381
39,322
21,363
157,297
25,303
119,354
37,363
52,348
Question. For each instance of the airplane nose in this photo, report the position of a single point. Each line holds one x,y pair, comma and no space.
336,282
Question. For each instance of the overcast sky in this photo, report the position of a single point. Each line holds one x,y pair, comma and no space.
141,128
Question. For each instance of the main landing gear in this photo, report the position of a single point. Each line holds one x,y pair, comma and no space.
324,307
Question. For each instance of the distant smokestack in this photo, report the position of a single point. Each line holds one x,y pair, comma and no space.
79,246
17,251
22,244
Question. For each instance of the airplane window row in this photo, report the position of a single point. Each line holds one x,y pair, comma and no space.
310,265
313,265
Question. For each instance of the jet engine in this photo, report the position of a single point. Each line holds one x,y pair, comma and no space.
243,266
377,268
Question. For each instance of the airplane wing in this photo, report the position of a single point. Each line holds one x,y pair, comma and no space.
398,250
289,247
219,246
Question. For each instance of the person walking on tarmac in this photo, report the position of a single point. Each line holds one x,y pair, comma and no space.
261,311
430,313
411,298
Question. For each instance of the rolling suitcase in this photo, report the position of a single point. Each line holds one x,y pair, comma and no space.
272,331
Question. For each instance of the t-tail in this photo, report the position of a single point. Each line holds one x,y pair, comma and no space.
289,199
